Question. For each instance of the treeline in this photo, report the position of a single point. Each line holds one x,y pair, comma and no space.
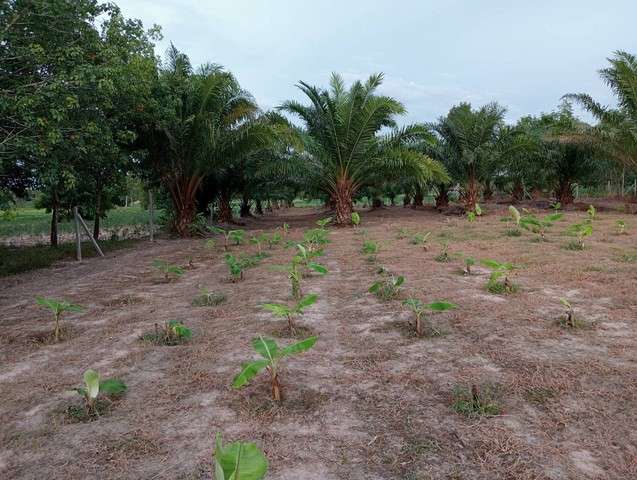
86,106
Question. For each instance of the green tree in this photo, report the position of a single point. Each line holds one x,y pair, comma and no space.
616,131
468,143
346,150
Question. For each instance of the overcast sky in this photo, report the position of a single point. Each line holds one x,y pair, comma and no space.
524,54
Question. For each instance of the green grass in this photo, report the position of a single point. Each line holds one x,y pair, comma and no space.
14,260
34,221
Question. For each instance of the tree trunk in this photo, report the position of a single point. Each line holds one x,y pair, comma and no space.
225,210
54,225
342,197
98,213
471,195
518,191
488,192
564,192
183,191
258,207
245,207
418,198
442,199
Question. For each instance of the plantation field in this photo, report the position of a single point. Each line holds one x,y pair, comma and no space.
370,400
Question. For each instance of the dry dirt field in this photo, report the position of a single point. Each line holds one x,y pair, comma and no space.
370,401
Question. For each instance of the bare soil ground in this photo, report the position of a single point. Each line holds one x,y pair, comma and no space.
369,401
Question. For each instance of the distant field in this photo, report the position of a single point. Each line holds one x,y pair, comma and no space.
36,222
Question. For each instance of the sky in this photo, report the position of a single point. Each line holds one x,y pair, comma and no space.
524,54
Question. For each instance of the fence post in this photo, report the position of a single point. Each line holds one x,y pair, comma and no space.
78,240
151,211
89,234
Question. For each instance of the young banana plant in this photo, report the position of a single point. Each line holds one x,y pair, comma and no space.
387,288
569,314
169,270
302,259
58,307
499,270
177,331
239,461
421,239
515,215
539,225
356,219
235,267
420,311
93,387
272,354
289,313
621,227
468,263
582,231
324,222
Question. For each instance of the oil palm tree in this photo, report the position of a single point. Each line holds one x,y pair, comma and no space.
468,141
616,132
346,144
207,121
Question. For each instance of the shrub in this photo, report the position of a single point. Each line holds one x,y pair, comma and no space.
287,312
272,355
207,298
239,461
387,288
420,311
170,271
58,307
94,389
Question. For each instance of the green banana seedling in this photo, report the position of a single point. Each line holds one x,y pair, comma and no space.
287,312
58,307
239,461
272,355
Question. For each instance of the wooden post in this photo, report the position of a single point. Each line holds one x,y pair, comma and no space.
88,233
78,239
151,211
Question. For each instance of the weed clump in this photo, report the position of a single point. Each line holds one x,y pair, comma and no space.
472,403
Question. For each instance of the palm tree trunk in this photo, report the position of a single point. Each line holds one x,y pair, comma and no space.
342,197
518,191
442,199
406,200
418,198
564,192
258,207
471,194
225,210
488,191
245,207
183,191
